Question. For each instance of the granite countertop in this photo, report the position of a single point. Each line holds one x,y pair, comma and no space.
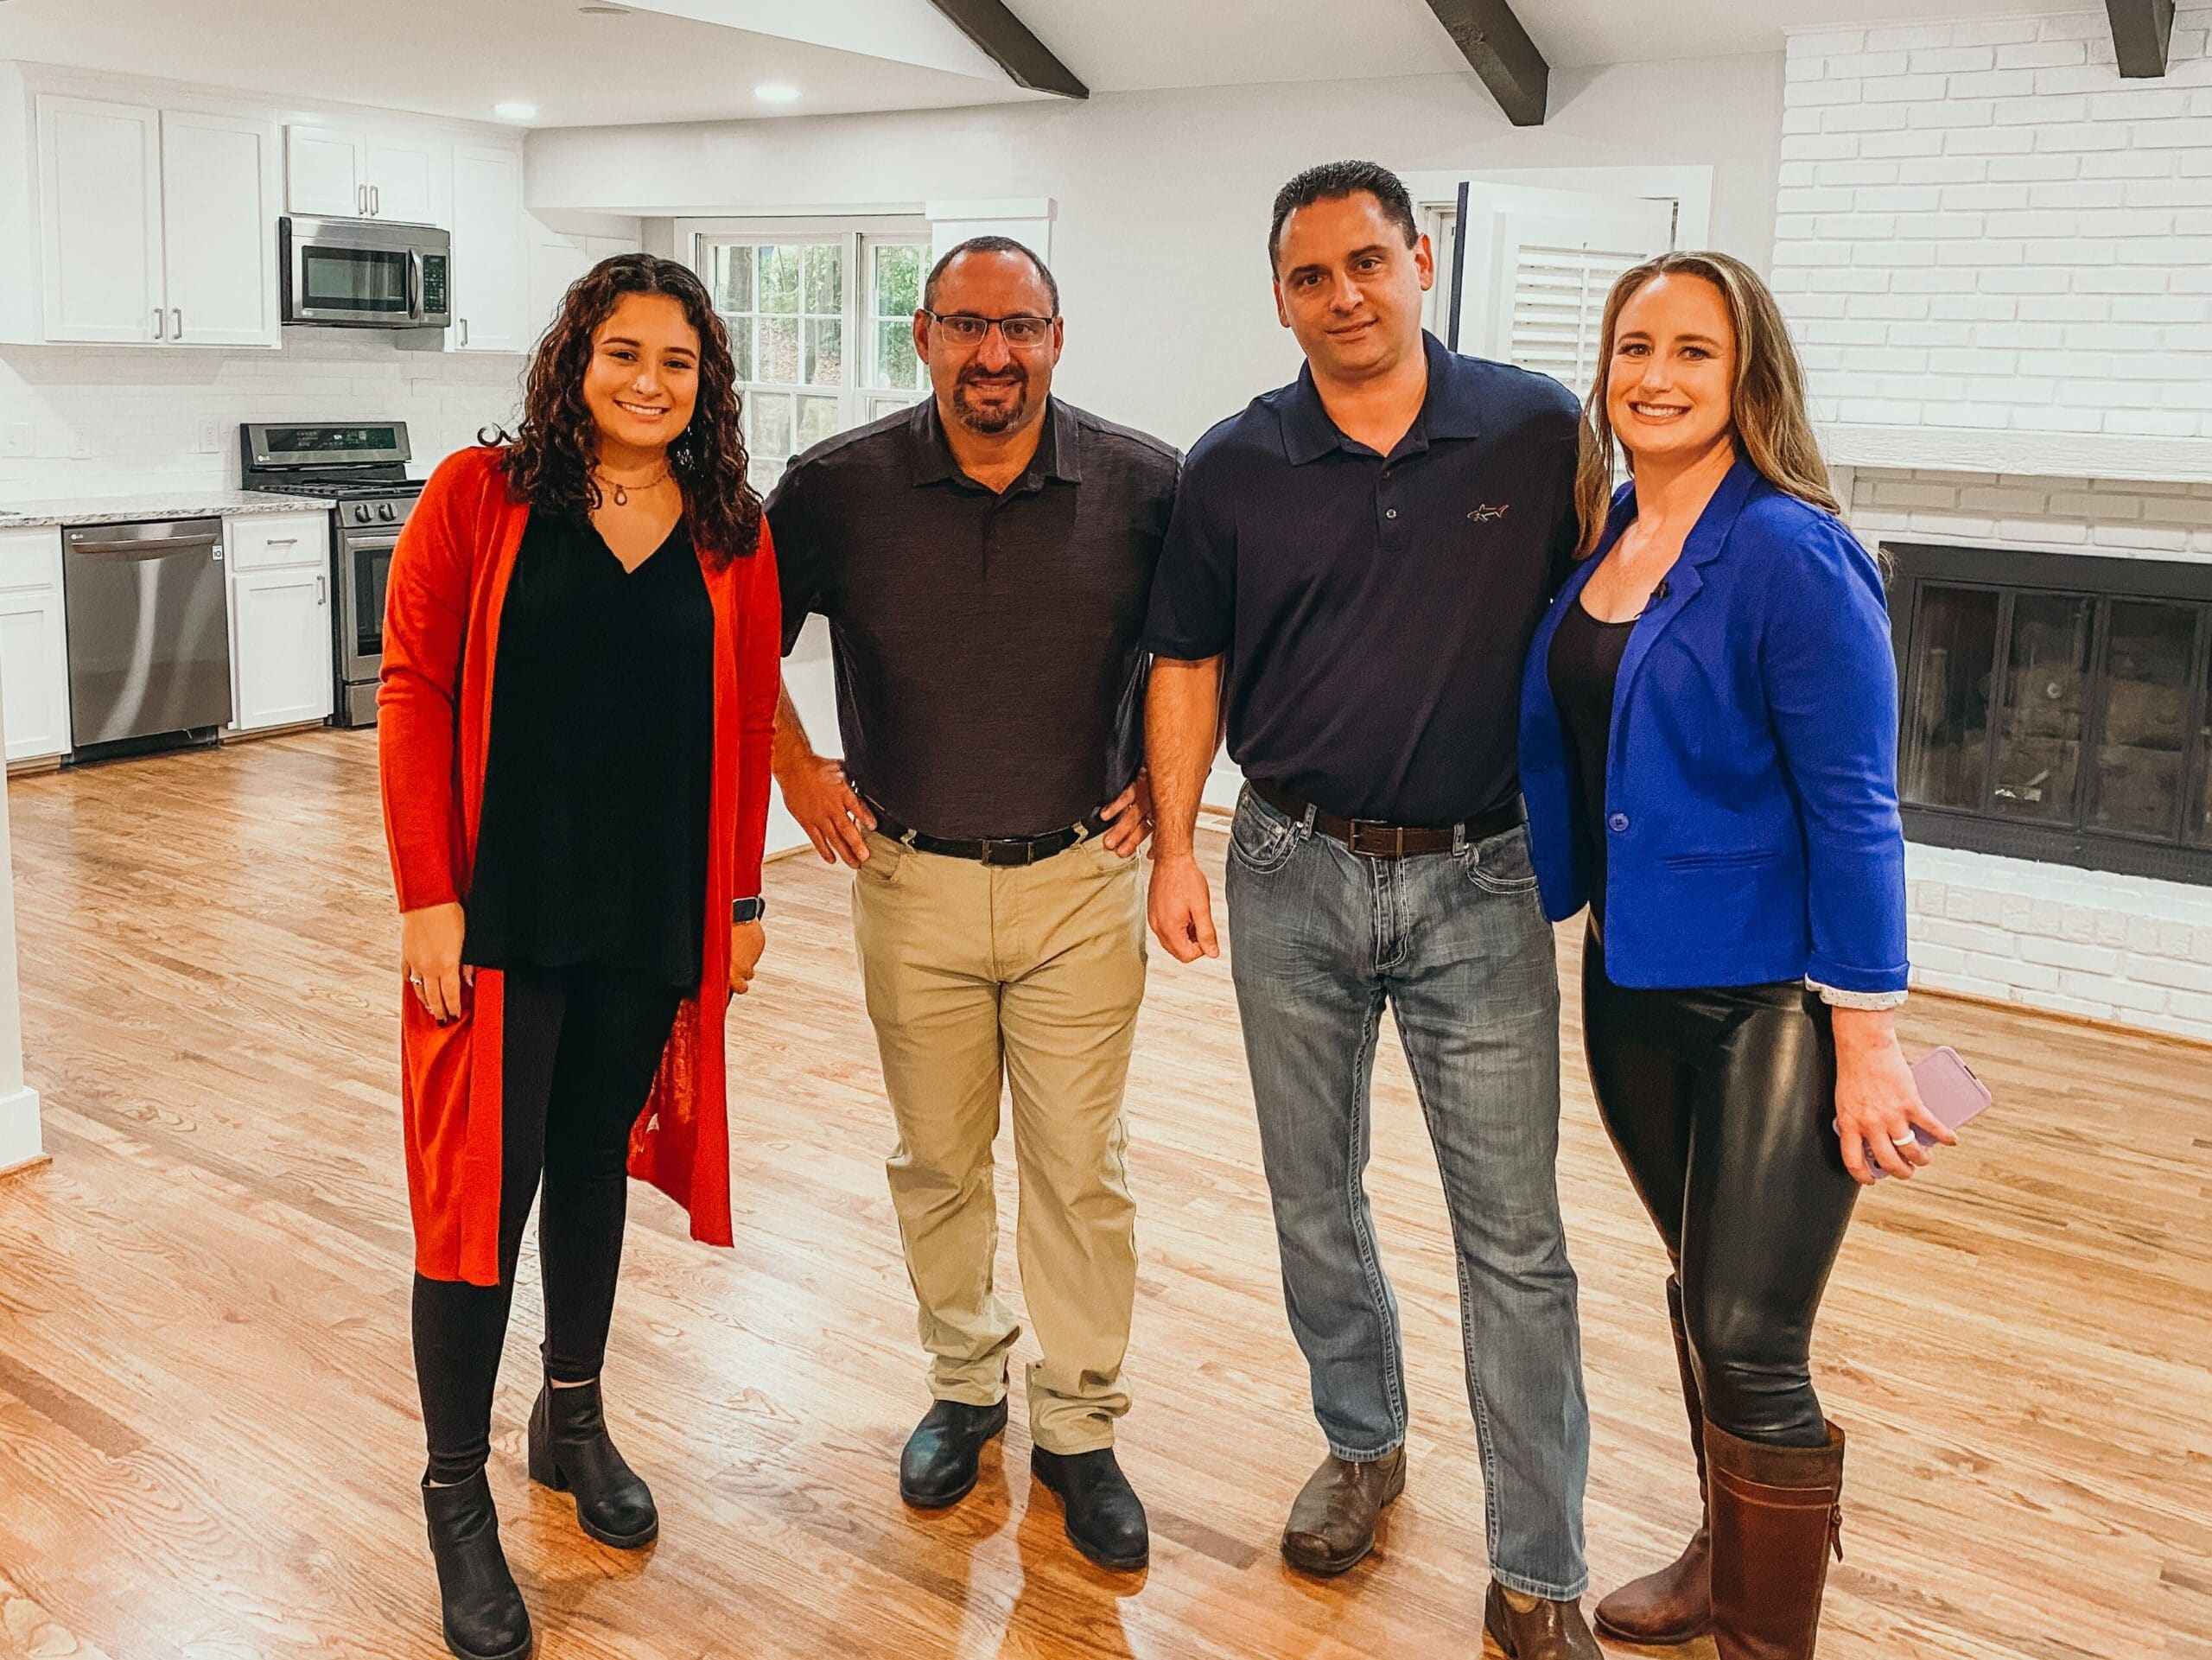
176,504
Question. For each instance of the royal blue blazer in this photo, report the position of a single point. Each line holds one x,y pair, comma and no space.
1752,831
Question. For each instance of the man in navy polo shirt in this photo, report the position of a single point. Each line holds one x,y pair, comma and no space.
1354,569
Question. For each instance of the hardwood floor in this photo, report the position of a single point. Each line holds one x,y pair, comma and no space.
208,1434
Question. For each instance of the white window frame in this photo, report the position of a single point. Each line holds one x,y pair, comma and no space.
860,395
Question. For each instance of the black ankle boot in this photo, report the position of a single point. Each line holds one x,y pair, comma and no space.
1105,1518
570,1452
483,1616
945,1455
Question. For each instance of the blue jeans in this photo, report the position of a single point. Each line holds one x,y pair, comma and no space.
1456,943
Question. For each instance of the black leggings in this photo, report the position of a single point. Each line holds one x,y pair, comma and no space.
579,1057
1721,1105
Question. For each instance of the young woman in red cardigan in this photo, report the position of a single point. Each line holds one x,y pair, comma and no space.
580,674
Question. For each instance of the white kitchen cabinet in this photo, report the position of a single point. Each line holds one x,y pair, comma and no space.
348,173
406,179
33,646
490,267
218,223
100,217
157,227
325,172
282,672
280,654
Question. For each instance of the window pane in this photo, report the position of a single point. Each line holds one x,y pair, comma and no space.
780,350
779,278
818,419
825,353
1946,729
895,363
768,423
825,293
887,405
2149,651
897,281
733,278
740,346
2039,731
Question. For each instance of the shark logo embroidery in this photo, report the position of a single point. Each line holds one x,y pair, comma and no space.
1485,514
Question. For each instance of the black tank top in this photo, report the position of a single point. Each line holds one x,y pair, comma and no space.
1584,666
592,845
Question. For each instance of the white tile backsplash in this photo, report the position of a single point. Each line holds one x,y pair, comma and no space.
93,420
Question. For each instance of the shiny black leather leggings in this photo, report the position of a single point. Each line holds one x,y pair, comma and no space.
1720,1102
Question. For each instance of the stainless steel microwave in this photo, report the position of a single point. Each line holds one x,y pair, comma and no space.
351,273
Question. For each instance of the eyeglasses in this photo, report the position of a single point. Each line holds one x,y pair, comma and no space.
966,328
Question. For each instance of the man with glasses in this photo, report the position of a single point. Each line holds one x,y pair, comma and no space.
984,561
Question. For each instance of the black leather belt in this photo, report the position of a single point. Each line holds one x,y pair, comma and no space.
990,849
1377,840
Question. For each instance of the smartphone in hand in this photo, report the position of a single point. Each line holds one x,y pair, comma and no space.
1948,1089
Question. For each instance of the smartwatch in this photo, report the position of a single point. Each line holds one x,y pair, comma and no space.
747,910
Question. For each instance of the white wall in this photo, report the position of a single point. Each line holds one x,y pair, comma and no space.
1982,226
118,420
1163,197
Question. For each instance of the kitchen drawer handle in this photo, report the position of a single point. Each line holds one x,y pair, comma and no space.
282,541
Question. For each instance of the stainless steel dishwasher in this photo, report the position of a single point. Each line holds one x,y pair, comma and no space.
149,639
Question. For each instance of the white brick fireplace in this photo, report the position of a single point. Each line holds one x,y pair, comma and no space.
1997,258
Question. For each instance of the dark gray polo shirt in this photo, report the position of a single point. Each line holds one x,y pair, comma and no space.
991,674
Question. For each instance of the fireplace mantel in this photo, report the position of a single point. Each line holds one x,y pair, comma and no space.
2055,455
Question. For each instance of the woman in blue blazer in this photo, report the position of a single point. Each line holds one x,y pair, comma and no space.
1708,740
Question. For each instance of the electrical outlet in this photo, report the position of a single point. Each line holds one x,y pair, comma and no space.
19,438
210,436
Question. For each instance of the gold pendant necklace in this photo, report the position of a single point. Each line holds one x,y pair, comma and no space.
622,491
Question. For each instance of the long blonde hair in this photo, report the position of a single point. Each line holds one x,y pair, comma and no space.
1767,402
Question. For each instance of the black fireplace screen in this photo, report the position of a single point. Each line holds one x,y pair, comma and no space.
2056,707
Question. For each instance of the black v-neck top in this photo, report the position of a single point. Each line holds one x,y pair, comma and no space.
592,847
1584,666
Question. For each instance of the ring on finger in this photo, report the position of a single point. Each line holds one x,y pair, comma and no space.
1907,1140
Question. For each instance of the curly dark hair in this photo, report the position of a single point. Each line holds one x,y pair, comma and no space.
548,459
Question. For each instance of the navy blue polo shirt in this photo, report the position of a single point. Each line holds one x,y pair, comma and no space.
1376,610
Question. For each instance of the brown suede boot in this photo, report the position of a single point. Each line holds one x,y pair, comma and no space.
1776,1513
1675,1605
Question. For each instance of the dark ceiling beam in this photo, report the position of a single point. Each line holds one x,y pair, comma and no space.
1006,40
1490,38
2142,32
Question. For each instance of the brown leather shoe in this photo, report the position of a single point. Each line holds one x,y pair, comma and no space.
1332,1524
1550,1630
1675,1605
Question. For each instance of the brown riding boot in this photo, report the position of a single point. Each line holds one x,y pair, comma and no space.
1776,1514
1332,1521
1676,1604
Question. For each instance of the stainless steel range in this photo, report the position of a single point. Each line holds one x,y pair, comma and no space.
363,469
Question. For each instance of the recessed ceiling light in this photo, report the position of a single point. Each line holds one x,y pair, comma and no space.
776,91
515,109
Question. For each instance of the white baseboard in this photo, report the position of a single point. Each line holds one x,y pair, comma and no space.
20,1142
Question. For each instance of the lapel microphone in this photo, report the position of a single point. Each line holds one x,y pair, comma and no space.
1660,592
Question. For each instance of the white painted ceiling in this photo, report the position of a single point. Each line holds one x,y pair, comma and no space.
697,60
459,57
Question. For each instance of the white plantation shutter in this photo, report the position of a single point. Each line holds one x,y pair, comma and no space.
1558,303
1538,265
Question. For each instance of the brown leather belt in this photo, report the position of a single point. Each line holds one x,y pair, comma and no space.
991,849
1375,840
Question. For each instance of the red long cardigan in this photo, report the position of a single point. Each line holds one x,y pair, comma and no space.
442,602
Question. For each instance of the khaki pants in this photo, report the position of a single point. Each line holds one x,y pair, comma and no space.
1031,974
